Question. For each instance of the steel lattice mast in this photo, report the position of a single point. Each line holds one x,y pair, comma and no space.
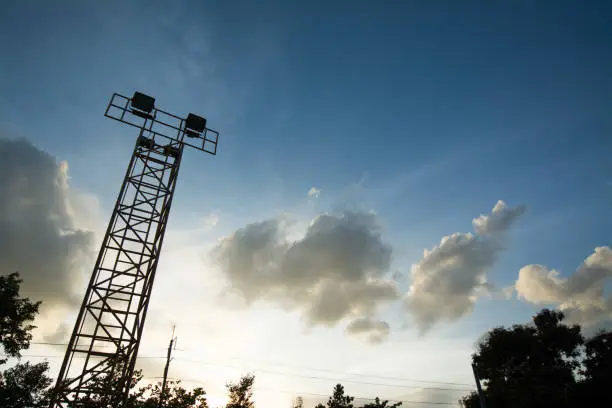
108,329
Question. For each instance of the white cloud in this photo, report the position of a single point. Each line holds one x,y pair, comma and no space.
39,234
376,331
581,296
334,272
314,192
210,221
450,277
500,219
539,285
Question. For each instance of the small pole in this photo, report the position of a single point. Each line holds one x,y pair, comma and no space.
483,403
168,358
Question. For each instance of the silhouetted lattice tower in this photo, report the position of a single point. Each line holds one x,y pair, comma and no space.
109,325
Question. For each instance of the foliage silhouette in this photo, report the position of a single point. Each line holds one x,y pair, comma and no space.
25,385
382,404
148,396
543,364
16,313
175,396
240,394
298,403
339,399
597,370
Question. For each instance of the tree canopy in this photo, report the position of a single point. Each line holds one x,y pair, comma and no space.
240,394
544,363
24,384
298,402
382,404
16,316
339,399
175,396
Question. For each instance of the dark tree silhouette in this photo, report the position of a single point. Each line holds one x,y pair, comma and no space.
382,404
25,386
175,396
108,390
597,370
298,403
339,400
16,315
543,364
240,394
598,359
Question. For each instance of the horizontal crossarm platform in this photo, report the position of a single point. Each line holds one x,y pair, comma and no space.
163,124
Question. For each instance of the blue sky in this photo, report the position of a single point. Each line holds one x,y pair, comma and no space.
426,112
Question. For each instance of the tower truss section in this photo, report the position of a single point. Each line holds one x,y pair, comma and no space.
108,330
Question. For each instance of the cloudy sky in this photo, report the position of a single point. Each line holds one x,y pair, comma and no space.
391,182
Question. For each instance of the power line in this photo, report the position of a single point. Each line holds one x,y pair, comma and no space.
286,374
381,377
294,374
352,374
326,378
47,344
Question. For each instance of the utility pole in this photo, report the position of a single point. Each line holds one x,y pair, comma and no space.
168,358
109,326
483,403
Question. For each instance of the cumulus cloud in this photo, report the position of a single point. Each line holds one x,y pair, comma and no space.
500,219
450,277
314,192
336,271
38,233
581,296
376,331
210,221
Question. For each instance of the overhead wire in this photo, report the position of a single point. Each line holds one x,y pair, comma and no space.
324,378
267,371
302,393
374,376
352,374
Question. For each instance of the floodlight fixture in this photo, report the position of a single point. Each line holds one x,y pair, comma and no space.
142,105
194,125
